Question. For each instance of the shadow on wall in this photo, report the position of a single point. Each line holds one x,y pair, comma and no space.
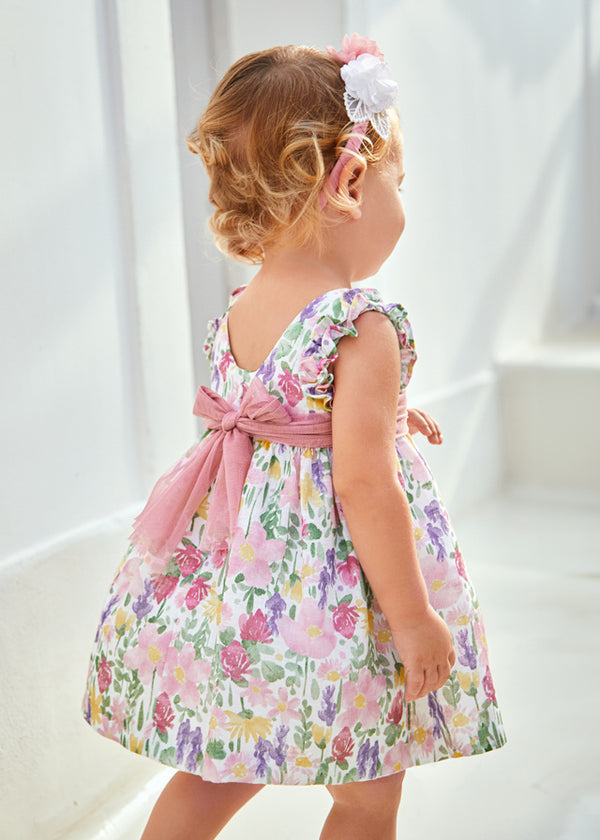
528,51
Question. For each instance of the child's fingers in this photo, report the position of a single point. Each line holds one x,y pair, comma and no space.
415,678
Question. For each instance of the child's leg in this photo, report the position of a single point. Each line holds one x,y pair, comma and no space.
191,809
364,810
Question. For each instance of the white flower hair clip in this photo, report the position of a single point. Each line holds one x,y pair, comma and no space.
370,91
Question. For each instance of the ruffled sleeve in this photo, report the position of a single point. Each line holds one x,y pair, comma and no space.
209,343
338,320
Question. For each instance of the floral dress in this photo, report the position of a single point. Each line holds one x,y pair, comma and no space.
265,657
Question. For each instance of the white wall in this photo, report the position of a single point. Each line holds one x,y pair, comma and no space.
108,278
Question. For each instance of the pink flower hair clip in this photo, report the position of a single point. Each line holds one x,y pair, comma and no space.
370,91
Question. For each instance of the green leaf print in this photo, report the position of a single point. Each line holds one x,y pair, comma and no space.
227,636
215,749
140,720
272,672
451,691
313,532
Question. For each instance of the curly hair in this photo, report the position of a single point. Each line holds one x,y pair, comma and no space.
269,137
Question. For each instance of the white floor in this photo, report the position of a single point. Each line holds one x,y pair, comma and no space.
536,567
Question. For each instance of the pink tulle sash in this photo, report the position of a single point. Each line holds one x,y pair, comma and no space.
223,457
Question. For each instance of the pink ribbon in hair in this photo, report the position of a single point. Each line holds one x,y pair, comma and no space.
224,456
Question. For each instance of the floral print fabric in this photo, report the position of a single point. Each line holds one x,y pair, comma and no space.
266,658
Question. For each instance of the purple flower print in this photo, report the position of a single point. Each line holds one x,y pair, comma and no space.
435,535
195,749
435,710
275,609
374,760
267,370
313,348
328,710
367,753
317,470
434,512
466,654
275,751
114,600
182,740
260,752
186,738
143,603
327,577
349,295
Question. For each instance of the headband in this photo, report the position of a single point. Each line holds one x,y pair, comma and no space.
370,91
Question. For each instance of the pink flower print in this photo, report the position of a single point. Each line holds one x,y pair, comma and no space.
150,652
443,589
344,620
182,674
342,745
129,578
188,558
110,728
163,586
396,709
382,633
311,632
254,627
226,361
197,592
398,758
235,661
333,670
240,765
164,715
286,708
308,370
104,675
353,46
253,555
218,553
419,469
118,710
360,700
259,693
349,570
460,566
488,686
290,387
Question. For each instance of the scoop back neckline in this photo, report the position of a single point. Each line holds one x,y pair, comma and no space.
291,324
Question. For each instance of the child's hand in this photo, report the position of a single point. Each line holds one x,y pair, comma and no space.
427,652
420,421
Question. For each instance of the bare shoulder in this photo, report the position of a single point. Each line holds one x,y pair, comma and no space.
365,402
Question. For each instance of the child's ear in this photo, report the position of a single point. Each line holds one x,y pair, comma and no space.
351,185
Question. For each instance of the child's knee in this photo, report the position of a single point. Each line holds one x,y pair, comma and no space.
377,795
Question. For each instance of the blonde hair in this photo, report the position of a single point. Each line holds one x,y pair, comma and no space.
268,139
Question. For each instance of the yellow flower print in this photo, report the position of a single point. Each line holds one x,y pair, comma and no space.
255,727
366,619
308,492
303,761
307,571
460,720
467,679
420,735
240,771
212,724
437,584
95,700
275,470
418,533
462,620
136,744
317,403
213,607
202,509
321,733
294,591
123,618
399,676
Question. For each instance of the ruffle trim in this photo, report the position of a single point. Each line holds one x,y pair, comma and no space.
326,337
213,325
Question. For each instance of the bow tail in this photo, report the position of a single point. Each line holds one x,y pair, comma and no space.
175,498
227,492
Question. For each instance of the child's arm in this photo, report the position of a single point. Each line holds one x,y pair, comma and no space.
365,465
